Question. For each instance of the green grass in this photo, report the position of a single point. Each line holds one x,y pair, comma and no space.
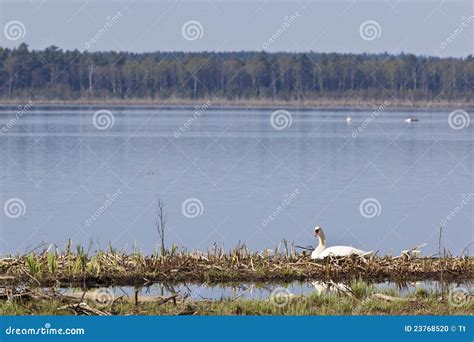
313,304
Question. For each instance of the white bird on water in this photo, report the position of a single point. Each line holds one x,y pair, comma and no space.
348,119
411,119
338,251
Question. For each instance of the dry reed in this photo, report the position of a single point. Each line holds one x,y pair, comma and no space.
113,267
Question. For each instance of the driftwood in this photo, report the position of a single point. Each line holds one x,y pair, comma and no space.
89,296
23,294
388,298
84,310
187,310
77,301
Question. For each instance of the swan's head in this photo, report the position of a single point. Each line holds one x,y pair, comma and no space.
317,230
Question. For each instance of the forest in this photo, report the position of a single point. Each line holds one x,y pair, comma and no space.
54,74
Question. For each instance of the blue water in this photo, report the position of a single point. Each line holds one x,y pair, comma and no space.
241,169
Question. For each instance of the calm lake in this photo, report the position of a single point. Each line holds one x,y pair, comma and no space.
230,175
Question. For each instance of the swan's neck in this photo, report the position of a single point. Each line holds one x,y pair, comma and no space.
322,243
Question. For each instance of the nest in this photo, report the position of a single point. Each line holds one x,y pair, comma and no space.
116,268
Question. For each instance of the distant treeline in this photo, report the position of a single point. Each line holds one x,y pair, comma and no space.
54,74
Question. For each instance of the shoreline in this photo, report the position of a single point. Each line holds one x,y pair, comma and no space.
210,103
112,268
38,282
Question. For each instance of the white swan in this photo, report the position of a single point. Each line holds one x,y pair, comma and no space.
411,119
339,251
348,119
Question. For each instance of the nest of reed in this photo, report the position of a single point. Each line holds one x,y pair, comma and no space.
114,267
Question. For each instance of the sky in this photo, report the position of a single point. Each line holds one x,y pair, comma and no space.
422,27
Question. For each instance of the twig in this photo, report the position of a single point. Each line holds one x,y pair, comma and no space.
167,299
161,224
440,261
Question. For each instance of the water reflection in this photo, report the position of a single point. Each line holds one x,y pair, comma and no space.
264,290
323,288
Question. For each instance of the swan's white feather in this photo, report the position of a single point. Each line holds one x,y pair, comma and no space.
322,252
338,251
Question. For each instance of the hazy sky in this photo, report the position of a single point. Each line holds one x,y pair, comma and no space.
417,26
